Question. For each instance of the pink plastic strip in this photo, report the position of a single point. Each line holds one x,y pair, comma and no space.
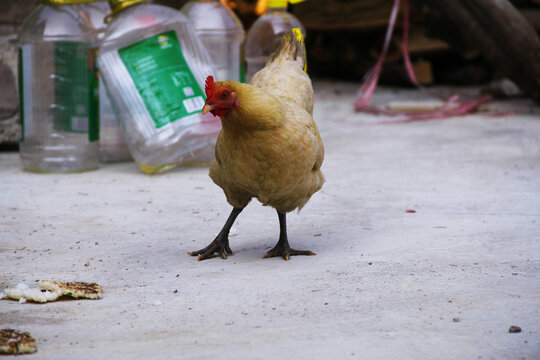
452,106
369,86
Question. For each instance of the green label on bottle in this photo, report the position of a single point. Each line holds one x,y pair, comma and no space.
163,78
242,73
76,105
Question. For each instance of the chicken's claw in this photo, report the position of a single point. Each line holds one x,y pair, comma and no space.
220,245
286,252
282,248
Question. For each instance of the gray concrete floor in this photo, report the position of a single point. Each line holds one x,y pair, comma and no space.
445,282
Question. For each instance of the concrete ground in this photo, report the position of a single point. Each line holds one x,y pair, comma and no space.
445,282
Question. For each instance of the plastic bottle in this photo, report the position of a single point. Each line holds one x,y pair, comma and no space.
154,67
264,36
58,88
112,146
222,32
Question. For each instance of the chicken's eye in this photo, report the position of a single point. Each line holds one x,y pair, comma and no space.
224,95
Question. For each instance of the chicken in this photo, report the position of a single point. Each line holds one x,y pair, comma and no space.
269,147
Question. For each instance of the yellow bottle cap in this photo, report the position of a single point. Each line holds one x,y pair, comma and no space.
262,5
277,3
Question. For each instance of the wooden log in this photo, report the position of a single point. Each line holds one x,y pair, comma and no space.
504,37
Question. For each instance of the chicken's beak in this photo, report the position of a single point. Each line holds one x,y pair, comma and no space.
207,108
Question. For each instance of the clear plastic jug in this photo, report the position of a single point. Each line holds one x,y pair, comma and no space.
264,36
154,67
59,88
112,147
222,32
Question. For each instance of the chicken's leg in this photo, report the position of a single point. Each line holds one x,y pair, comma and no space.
282,248
220,244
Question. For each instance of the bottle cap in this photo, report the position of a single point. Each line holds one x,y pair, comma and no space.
119,5
65,2
277,3
262,5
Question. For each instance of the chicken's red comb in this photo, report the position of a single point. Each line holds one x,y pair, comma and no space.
210,86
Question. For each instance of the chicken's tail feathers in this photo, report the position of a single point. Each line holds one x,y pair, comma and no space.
292,48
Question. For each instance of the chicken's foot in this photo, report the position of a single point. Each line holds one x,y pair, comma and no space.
282,248
220,245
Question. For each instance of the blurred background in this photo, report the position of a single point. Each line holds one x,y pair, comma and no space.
451,43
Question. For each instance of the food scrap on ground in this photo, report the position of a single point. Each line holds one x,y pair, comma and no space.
74,289
16,342
52,291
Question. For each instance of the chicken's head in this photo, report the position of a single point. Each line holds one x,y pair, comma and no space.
219,99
